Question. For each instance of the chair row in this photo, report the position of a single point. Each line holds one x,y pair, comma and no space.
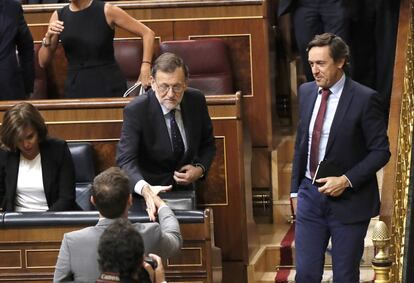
85,170
208,61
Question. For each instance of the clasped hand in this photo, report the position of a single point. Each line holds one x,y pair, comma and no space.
152,200
185,176
334,186
55,27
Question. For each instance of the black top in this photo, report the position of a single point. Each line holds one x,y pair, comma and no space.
88,43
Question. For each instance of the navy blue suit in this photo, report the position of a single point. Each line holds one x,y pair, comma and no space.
358,145
16,75
145,151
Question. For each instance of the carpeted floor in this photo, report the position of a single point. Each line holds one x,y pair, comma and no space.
286,271
286,256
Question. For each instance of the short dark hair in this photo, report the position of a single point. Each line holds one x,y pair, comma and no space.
337,47
168,62
110,191
16,120
121,249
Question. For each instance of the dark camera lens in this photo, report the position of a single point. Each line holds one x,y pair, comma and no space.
151,262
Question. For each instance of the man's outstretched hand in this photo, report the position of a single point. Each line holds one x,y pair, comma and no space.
152,200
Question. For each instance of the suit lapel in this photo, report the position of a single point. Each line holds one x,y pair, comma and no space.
48,168
157,120
308,104
12,171
187,122
341,110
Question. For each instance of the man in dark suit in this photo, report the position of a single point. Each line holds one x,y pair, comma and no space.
312,17
16,75
342,123
167,137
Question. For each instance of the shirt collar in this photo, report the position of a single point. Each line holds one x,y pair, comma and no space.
165,111
337,87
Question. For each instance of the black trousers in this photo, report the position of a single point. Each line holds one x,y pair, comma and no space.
312,17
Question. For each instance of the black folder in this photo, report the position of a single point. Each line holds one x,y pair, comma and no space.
326,169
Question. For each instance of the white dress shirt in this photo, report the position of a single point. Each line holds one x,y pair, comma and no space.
179,119
332,105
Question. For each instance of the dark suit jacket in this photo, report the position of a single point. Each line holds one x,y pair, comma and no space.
145,151
288,6
284,7
357,143
16,76
58,176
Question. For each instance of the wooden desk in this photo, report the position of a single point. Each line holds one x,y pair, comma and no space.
227,189
29,253
245,27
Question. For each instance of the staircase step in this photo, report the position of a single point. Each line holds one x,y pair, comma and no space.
273,237
273,250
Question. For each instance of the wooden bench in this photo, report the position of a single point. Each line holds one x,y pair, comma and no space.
227,189
30,242
247,28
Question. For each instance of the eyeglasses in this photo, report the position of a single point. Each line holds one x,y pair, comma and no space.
164,88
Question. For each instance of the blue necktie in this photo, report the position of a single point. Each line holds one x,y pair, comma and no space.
176,138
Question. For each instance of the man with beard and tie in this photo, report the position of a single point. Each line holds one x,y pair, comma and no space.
167,140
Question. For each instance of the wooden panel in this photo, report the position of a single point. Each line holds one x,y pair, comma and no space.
242,24
257,96
30,253
27,235
190,256
229,220
214,191
167,10
41,258
86,131
89,119
10,259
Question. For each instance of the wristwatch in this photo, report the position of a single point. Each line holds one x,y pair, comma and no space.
202,168
45,43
